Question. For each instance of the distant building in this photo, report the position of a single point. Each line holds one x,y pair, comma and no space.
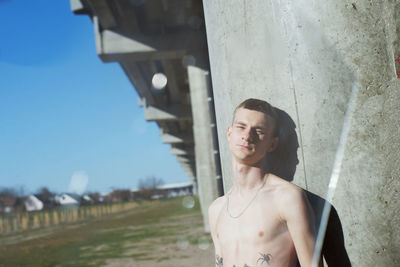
175,190
168,190
32,203
67,199
7,203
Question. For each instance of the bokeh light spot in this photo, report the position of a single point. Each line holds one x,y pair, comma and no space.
78,183
203,243
182,242
159,81
188,202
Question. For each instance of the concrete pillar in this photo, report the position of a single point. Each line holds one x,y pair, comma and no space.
205,165
304,57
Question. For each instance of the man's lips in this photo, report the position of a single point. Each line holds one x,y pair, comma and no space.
245,147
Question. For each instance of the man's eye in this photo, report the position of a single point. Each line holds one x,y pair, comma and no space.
259,132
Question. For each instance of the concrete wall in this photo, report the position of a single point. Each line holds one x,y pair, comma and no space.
304,57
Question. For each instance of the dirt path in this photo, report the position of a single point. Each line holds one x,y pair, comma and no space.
171,256
188,247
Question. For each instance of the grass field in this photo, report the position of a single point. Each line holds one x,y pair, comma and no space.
159,233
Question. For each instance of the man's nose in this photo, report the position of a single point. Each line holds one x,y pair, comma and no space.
247,135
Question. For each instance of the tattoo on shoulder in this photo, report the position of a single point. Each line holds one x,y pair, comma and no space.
218,261
264,258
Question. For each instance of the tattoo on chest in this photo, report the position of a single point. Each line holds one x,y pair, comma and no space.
218,261
264,258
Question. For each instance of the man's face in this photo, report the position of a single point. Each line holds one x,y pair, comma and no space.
251,136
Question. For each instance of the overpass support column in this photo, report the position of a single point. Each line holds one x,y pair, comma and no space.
204,157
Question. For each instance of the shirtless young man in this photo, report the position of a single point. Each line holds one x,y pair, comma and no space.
263,220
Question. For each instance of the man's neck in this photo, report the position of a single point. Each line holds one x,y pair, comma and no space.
247,178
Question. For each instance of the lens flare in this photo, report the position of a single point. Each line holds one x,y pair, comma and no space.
159,81
203,243
182,242
188,202
78,183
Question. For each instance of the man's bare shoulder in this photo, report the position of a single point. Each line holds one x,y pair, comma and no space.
216,206
288,199
284,191
213,212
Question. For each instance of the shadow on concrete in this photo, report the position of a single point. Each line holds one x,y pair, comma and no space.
333,249
282,162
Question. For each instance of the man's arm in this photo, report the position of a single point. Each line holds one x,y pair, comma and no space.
213,212
297,213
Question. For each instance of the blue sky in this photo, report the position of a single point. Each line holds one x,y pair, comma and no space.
64,113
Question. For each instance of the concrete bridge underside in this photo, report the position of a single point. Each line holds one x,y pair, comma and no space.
167,37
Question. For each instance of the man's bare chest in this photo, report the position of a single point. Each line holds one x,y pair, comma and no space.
258,225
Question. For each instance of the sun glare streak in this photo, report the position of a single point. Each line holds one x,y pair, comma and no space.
337,166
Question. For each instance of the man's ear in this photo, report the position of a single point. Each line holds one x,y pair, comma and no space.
274,144
229,132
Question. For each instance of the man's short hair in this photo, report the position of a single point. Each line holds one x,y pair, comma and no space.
261,106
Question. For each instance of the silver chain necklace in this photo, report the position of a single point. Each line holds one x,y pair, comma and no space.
248,205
